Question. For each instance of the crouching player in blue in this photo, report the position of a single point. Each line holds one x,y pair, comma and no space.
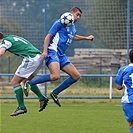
124,79
56,43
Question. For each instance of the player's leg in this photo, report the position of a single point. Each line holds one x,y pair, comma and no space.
28,69
43,99
70,69
54,75
128,112
74,76
16,80
131,126
32,68
54,69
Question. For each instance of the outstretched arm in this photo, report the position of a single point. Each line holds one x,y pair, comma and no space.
78,37
2,51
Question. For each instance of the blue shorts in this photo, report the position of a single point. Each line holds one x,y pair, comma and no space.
128,111
53,56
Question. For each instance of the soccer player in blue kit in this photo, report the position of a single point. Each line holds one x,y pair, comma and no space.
56,43
124,79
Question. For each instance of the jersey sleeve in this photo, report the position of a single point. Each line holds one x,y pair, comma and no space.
119,77
55,27
5,44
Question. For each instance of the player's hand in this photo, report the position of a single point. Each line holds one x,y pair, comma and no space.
43,55
119,87
91,37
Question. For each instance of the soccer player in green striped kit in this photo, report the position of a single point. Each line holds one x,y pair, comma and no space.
26,71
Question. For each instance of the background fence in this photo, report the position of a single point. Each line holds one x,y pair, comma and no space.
110,21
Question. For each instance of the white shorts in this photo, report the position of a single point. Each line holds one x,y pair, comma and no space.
29,67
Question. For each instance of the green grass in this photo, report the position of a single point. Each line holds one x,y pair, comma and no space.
72,117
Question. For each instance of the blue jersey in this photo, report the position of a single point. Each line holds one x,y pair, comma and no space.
62,37
125,77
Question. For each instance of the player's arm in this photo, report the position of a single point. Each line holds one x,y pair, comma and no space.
4,46
78,37
46,44
119,79
53,30
2,51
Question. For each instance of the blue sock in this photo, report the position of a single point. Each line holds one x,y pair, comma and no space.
65,84
40,79
131,129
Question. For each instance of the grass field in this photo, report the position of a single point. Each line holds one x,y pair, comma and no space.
75,116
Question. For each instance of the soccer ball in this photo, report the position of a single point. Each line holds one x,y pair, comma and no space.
67,19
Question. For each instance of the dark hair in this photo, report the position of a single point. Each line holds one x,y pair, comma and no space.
75,9
1,35
131,55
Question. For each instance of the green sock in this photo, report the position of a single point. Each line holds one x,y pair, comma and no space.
19,96
36,90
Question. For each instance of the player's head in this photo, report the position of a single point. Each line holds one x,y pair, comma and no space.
1,35
131,56
77,12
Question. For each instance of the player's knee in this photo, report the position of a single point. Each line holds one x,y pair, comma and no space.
13,82
130,124
55,77
77,76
